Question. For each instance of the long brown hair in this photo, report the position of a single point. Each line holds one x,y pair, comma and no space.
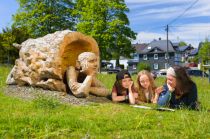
141,90
183,81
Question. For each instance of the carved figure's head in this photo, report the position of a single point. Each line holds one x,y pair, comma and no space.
88,62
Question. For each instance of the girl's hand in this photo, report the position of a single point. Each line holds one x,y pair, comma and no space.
170,88
130,85
159,90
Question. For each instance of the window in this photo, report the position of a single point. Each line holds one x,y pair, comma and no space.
145,57
155,66
135,56
134,66
156,49
166,56
155,56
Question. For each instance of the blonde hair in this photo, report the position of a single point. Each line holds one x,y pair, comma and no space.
141,90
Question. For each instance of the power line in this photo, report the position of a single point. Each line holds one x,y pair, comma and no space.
194,26
183,12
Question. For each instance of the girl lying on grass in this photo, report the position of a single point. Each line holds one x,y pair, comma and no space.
179,90
123,89
148,92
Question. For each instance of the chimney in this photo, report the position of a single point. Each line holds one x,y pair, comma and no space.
159,38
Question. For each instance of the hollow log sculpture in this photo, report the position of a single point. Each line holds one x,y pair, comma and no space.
43,61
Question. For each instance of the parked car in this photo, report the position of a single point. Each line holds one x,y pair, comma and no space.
132,71
154,74
161,73
196,72
132,66
113,70
106,65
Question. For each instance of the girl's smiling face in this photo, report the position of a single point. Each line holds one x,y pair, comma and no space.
171,80
144,81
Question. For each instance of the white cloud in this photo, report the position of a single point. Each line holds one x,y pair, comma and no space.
191,34
146,37
203,10
148,14
174,8
159,10
154,1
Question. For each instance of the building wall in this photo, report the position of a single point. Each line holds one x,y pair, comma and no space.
122,62
161,61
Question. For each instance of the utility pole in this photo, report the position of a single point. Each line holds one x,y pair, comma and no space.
167,46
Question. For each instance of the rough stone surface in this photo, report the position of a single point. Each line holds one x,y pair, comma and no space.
43,61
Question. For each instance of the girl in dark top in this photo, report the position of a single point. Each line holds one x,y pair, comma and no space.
123,89
179,90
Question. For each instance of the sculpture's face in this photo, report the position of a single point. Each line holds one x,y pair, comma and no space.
90,65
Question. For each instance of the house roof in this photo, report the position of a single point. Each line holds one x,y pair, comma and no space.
159,44
175,44
183,48
193,52
140,47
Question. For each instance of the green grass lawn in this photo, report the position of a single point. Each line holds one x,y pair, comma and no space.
47,118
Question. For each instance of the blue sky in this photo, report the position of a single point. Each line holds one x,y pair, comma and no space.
149,18
7,8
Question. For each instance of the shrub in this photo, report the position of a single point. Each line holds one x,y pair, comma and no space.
143,66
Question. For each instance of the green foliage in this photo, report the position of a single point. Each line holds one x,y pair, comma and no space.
182,43
45,102
106,21
42,17
204,52
20,119
8,53
143,66
195,59
4,71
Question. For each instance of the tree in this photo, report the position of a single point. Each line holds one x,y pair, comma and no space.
182,43
143,66
7,38
106,21
204,52
44,16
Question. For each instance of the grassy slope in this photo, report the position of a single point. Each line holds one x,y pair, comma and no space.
47,118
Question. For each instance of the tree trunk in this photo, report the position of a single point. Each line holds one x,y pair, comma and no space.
117,62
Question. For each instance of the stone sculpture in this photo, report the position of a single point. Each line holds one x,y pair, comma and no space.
82,78
44,61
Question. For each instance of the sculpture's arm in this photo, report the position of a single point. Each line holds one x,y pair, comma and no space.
97,88
78,89
96,82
